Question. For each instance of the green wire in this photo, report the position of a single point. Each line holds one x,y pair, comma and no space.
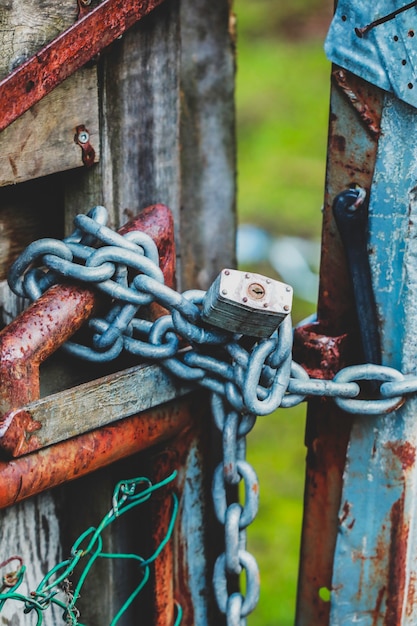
124,499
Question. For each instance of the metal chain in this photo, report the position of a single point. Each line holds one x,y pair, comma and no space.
247,377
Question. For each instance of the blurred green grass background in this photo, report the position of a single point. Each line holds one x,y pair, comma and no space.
282,99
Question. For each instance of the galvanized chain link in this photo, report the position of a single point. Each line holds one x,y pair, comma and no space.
247,377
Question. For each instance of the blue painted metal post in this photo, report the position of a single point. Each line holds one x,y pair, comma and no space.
375,559
375,568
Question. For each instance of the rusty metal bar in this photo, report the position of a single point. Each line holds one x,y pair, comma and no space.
355,112
68,52
35,335
52,466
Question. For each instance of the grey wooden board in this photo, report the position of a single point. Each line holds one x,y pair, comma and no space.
31,530
208,147
103,401
41,142
25,27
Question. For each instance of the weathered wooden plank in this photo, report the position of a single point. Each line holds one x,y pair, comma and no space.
57,417
27,26
42,141
31,530
140,112
208,153
139,165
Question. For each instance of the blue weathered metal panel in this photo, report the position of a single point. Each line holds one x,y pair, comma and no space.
375,568
386,54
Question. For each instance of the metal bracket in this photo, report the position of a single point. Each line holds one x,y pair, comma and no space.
82,139
378,42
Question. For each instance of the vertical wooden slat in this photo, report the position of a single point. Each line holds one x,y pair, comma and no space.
29,529
139,92
208,156
139,96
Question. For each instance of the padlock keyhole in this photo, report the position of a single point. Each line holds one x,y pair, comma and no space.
256,291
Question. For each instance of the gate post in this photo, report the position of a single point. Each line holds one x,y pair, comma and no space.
358,563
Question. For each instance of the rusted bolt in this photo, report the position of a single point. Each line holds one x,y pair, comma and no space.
256,291
286,307
83,136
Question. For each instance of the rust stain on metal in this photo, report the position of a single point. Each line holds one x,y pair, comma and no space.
377,611
320,354
411,595
72,49
345,512
397,564
327,436
162,464
20,433
404,451
35,335
52,466
82,139
338,143
368,110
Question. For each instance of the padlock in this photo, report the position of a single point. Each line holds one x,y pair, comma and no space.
247,303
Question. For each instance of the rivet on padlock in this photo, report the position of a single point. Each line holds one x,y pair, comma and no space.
247,303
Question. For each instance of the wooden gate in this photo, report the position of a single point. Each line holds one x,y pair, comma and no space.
123,105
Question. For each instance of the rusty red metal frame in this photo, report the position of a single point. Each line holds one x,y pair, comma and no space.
36,334
328,345
67,53
33,473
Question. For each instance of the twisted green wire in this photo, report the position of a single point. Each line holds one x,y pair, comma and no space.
124,499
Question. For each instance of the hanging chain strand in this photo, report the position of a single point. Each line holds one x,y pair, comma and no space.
247,376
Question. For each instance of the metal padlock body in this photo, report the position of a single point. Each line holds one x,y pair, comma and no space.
247,303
